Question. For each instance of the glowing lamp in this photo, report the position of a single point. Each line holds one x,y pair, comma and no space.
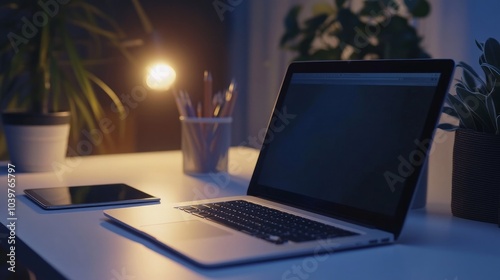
160,76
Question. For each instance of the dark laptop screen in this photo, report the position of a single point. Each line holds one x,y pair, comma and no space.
346,138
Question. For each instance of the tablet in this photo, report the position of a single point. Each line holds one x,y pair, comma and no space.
88,196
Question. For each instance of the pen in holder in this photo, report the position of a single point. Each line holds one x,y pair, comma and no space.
205,144
206,130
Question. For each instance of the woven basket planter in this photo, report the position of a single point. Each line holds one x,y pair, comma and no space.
476,176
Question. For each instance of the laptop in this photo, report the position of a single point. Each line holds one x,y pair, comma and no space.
337,169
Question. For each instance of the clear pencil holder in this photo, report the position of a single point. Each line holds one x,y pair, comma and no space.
205,144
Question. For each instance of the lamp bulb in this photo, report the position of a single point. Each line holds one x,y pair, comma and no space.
160,76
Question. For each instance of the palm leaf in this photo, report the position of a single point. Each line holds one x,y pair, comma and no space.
146,23
114,98
94,11
131,59
79,74
72,108
110,92
95,30
81,109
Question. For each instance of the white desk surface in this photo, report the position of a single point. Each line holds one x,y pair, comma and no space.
82,244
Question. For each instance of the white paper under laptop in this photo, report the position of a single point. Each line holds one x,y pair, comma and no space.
344,148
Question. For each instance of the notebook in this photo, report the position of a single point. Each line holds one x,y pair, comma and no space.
337,169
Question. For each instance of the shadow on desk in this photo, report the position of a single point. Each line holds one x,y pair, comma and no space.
38,268
436,228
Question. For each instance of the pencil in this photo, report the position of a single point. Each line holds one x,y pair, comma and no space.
207,95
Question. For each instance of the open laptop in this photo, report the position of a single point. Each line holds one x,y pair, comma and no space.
337,170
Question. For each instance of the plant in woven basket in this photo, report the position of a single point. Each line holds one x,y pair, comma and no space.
476,151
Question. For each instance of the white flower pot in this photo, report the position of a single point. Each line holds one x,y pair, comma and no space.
36,141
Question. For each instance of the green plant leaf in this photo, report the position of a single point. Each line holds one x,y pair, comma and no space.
475,103
110,92
56,89
495,97
74,133
492,74
91,9
492,112
480,45
292,28
323,9
418,8
468,94
492,69
391,4
466,119
96,30
8,71
79,73
492,52
313,24
371,9
114,98
471,78
350,24
146,23
304,45
340,3
450,111
448,127
81,109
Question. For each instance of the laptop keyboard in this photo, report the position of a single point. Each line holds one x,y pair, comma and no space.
266,223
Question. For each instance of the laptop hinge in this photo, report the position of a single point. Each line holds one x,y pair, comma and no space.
321,213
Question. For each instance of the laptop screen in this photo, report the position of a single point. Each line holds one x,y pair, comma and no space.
347,139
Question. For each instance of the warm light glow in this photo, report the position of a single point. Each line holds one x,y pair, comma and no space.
160,76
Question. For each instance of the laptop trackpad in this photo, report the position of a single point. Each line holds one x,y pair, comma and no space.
184,230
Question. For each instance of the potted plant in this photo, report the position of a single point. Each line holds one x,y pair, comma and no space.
476,151
378,29
45,75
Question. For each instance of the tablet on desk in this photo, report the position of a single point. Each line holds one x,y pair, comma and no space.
88,196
